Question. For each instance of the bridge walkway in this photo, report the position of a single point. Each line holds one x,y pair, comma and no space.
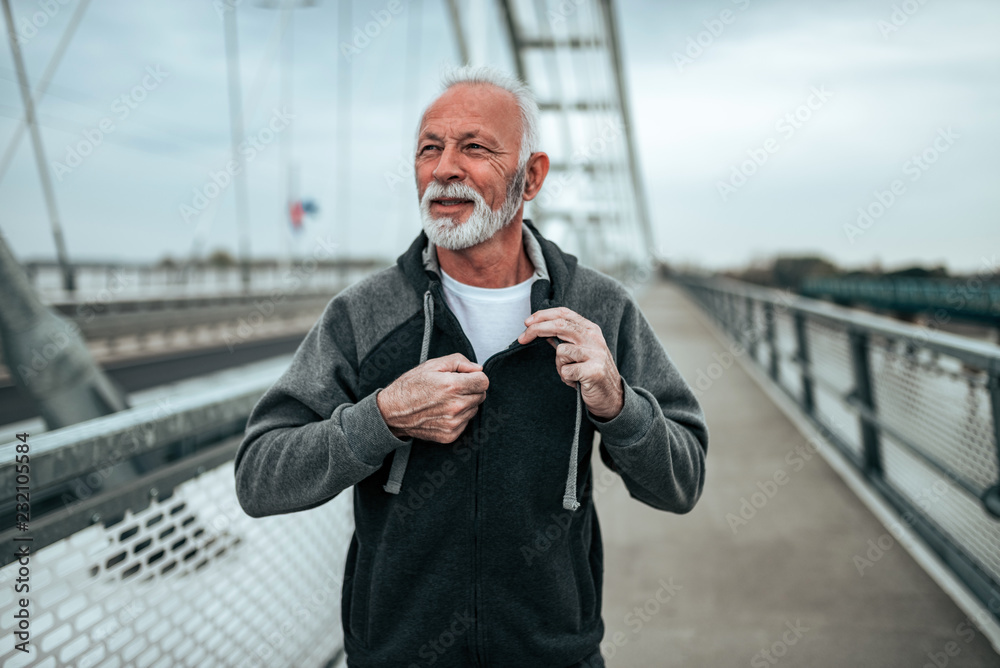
789,580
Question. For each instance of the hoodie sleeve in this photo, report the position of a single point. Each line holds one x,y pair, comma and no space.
310,436
659,440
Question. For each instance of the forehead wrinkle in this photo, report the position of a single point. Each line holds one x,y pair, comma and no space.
480,133
482,111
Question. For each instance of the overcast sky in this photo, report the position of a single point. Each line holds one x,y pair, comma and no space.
869,86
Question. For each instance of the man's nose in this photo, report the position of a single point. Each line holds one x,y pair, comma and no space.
449,167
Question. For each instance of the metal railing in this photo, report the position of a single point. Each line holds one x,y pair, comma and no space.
916,410
140,553
100,285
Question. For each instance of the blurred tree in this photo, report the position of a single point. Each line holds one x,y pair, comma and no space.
221,259
790,272
919,272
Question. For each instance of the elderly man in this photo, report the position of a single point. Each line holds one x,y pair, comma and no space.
459,392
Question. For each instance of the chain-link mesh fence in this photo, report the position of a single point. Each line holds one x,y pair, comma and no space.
191,580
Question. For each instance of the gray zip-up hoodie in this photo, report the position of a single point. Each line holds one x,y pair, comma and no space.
486,551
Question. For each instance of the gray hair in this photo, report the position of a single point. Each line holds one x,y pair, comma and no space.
485,75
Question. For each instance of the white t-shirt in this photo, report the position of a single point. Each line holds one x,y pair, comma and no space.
491,317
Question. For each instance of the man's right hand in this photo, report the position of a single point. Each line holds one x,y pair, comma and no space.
434,401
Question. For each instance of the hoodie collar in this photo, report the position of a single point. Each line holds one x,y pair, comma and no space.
554,268
531,247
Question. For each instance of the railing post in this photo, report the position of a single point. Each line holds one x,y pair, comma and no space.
802,356
992,496
730,312
737,323
751,331
771,339
864,394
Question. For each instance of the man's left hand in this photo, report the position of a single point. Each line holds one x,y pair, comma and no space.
582,356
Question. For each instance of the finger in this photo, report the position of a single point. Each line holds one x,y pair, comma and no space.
575,371
566,373
544,315
475,382
552,313
567,353
468,413
561,370
559,327
574,322
456,362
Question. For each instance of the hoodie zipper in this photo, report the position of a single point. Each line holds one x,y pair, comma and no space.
470,351
478,632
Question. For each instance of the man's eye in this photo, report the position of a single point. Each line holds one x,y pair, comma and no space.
473,146
426,148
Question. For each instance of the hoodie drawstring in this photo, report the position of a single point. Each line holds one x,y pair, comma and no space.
569,498
402,454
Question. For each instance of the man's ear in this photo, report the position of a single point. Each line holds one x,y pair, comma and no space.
535,172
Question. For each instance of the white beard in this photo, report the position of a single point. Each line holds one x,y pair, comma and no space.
483,222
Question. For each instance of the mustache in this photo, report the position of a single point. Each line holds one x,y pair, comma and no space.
515,186
451,191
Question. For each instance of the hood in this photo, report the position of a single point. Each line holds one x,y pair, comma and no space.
554,271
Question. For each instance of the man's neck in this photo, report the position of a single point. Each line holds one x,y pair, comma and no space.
498,262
